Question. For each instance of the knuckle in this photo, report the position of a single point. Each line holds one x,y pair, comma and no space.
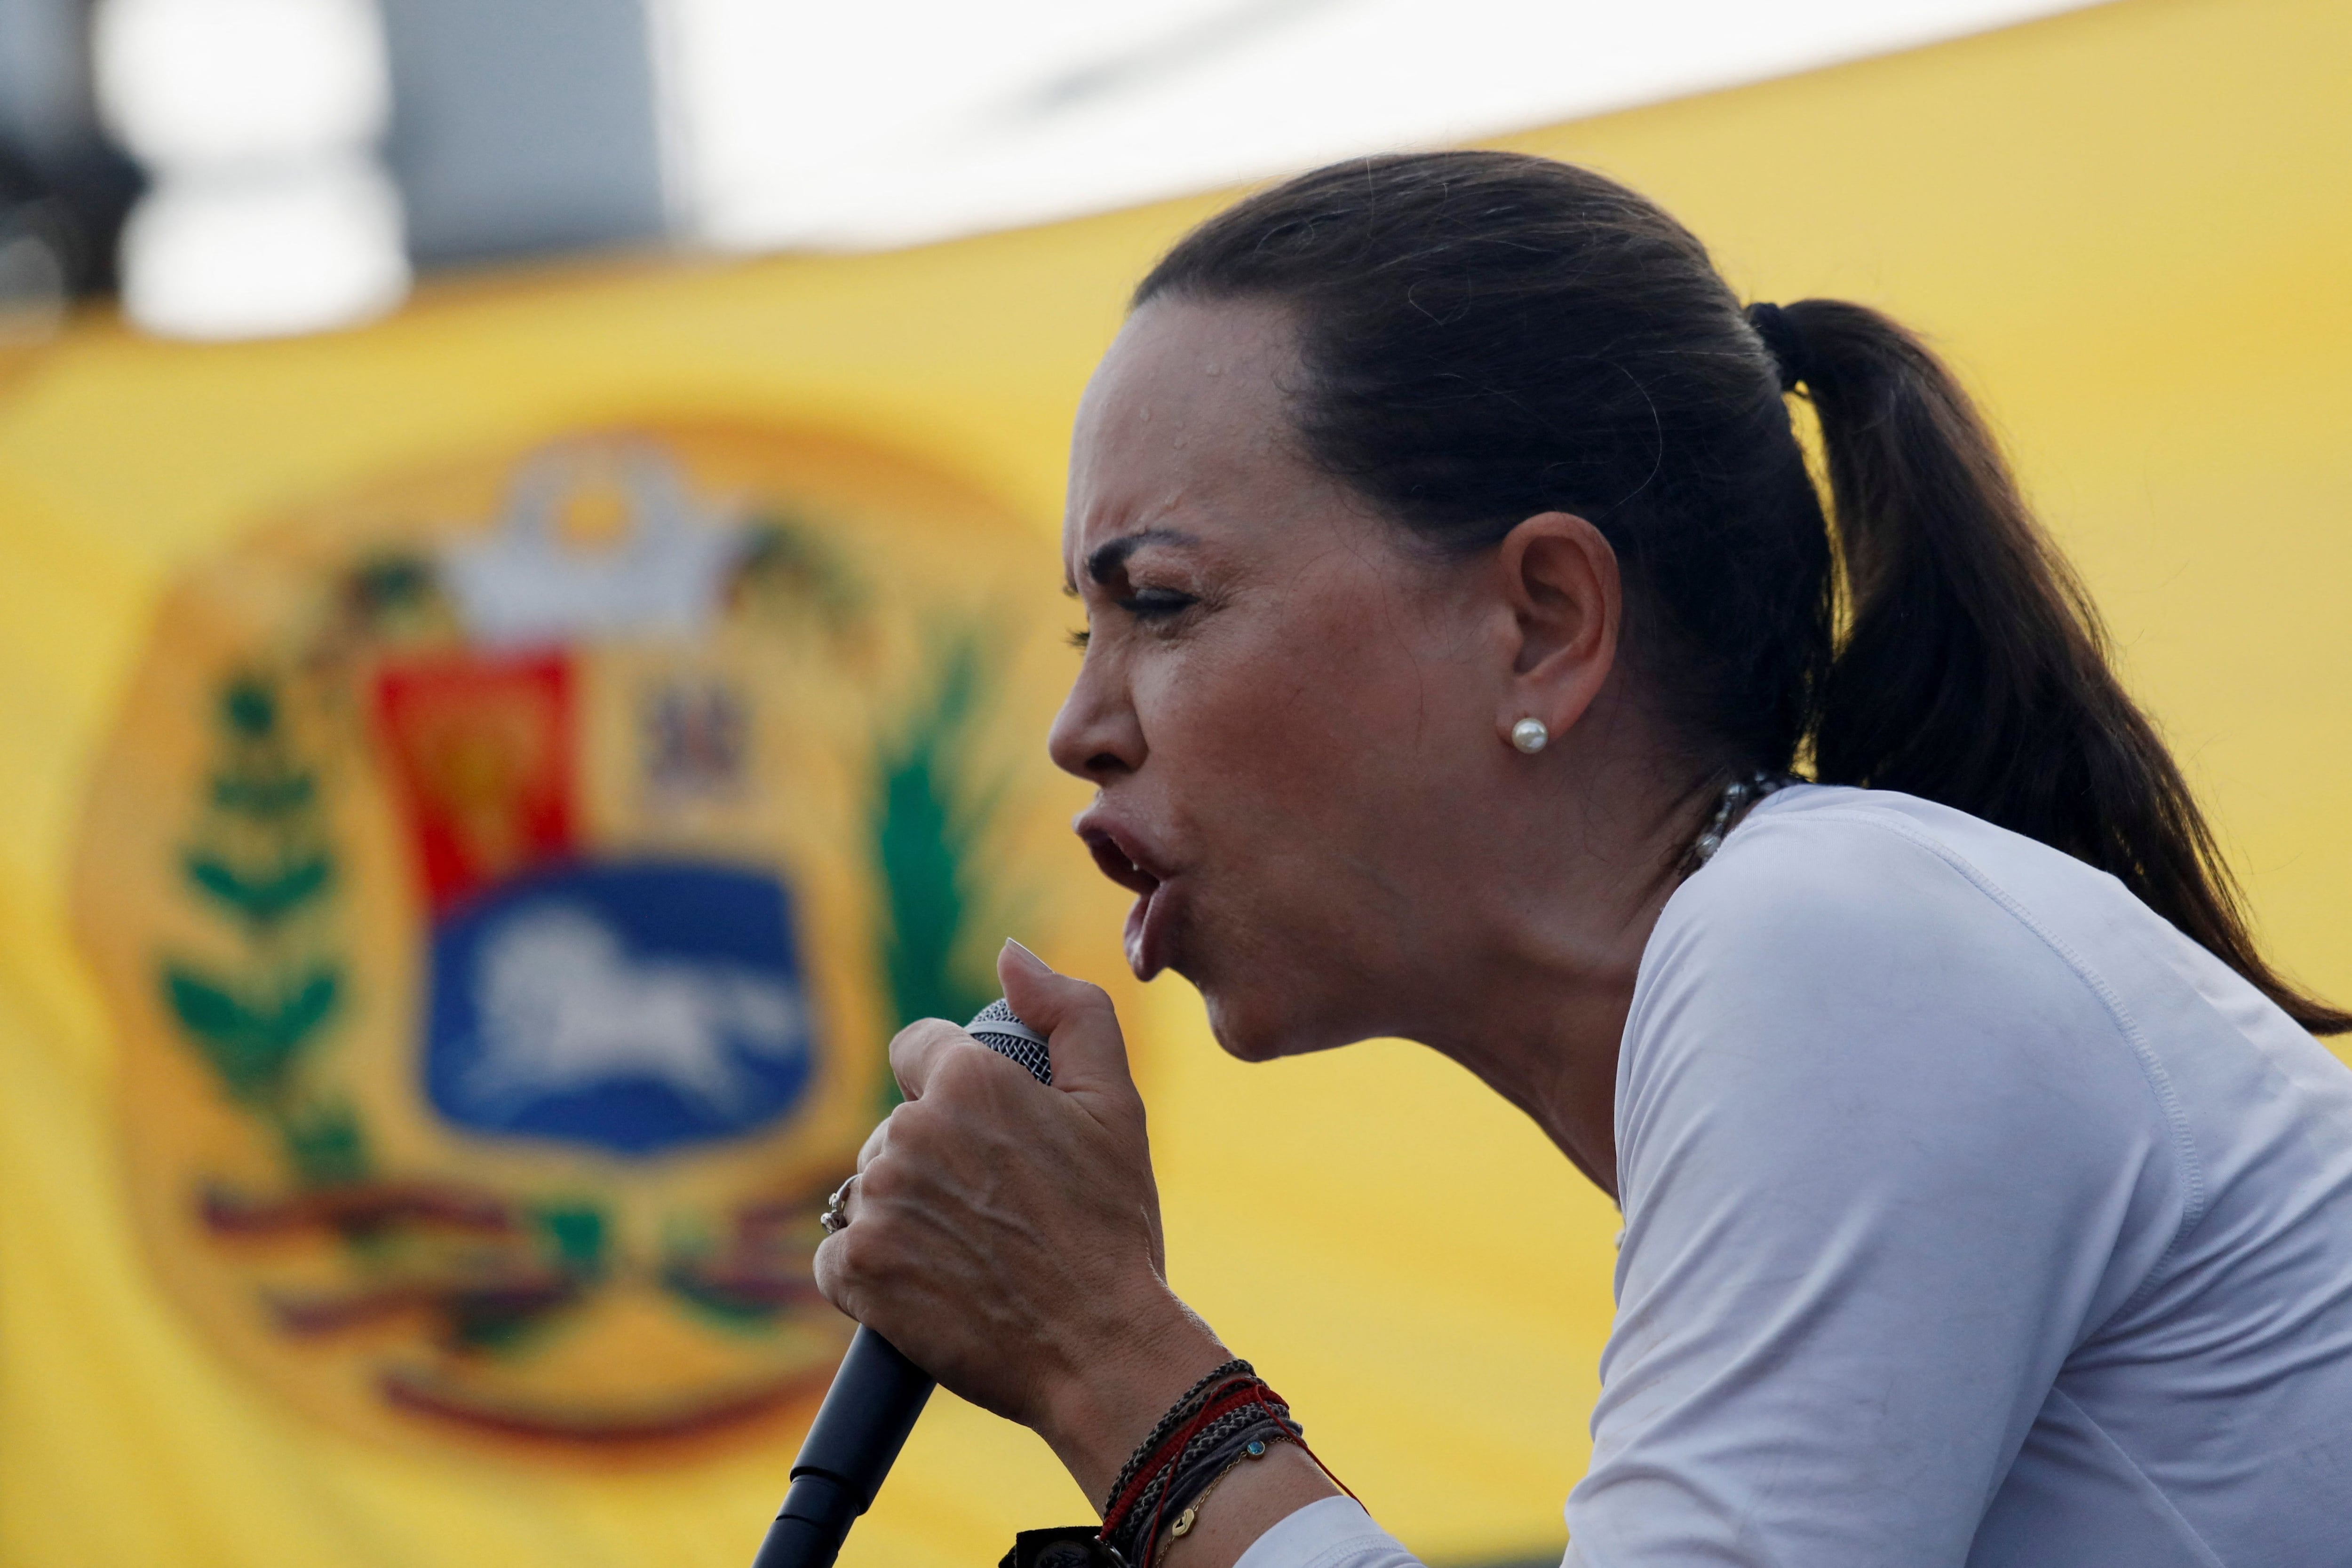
964,1073
880,1267
917,1035
857,1252
877,1182
924,1127
912,1127
831,1269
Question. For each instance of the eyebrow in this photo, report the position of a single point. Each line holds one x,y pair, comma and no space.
1107,558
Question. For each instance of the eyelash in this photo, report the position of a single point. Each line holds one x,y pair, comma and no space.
1151,604
1157,603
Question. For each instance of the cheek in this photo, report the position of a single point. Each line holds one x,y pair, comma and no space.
1298,765
1300,738
1276,716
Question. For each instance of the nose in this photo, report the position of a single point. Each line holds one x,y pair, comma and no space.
1096,735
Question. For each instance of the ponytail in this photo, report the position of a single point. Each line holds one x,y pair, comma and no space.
1973,670
1487,336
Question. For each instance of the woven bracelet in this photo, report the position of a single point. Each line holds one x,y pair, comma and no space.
1234,1401
1186,1406
1190,1481
1229,1415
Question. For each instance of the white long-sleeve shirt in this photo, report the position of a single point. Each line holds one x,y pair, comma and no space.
1973,1215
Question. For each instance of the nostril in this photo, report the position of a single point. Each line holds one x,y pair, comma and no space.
1105,762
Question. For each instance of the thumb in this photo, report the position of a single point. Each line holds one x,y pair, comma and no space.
1076,1017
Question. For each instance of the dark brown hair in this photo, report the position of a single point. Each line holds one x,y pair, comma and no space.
1487,336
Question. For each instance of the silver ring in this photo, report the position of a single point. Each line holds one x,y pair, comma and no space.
836,1216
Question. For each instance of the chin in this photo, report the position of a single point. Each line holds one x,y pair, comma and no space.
1268,986
1253,1024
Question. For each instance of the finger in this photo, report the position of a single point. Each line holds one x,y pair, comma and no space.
918,1048
876,1142
1076,1017
827,1268
831,1264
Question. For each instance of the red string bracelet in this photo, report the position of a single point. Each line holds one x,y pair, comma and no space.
1161,1463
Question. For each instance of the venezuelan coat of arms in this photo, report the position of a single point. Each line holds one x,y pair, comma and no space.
505,878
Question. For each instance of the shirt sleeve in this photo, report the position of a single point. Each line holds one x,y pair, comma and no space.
1887,1155
1334,1532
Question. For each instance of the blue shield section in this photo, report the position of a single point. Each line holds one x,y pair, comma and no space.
634,1007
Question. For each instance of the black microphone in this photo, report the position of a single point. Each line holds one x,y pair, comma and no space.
876,1396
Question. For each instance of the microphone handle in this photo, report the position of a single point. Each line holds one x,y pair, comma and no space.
876,1395
863,1423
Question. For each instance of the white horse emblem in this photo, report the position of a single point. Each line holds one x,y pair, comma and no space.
563,1006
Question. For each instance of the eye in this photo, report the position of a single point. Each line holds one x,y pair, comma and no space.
1148,605
1157,603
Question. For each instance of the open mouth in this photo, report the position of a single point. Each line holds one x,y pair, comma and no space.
1117,864
1146,920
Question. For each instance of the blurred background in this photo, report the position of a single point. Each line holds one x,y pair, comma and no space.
494,492
291,163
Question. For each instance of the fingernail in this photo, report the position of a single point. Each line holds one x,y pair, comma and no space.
1027,958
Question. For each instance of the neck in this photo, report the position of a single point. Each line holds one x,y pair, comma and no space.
1541,1012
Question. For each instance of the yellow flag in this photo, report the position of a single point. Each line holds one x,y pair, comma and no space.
476,793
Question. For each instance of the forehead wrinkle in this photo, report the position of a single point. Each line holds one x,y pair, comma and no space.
1093,515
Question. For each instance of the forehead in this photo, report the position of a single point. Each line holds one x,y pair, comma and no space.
1185,422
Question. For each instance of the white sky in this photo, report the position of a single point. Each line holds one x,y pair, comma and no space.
889,122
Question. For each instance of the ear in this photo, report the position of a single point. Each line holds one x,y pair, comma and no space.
1560,583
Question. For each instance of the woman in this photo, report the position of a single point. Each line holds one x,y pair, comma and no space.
1460,609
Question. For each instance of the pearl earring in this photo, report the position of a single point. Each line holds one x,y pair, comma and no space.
1530,736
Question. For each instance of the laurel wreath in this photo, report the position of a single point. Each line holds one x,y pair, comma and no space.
261,858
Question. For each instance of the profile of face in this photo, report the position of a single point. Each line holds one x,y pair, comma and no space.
1295,714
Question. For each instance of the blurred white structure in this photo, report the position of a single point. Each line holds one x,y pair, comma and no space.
528,127
258,121
892,121
32,288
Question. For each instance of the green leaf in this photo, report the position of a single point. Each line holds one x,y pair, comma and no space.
264,795
715,1303
249,707
326,1145
497,1319
262,896
303,1009
391,584
924,845
251,1044
577,1231
926,834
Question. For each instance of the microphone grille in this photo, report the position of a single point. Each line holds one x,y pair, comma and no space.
999,1027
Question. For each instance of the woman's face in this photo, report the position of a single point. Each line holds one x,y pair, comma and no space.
1291,716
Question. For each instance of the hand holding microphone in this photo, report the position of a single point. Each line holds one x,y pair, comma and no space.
1005,1237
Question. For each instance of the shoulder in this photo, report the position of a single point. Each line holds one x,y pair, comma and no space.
1871,967
1819,878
